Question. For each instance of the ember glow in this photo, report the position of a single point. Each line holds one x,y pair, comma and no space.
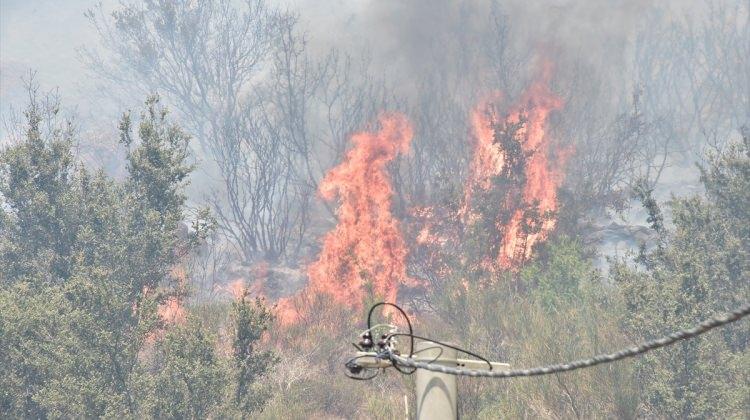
365,253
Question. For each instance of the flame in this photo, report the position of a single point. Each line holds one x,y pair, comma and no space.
172,310
488,160
542,178
366,249
427,234
236,288
365,254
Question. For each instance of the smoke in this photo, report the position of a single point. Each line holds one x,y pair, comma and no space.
463,44
43,37
409,40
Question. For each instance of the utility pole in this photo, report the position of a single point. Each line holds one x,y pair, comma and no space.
437,393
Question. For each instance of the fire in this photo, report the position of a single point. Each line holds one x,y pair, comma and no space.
365,252
172,310
541,177
488,160
236,288
252,283
426,235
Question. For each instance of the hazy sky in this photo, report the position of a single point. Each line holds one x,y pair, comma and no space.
44,35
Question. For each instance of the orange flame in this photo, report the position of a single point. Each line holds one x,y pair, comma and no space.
542,178
172,310
366,248
488,160
236,288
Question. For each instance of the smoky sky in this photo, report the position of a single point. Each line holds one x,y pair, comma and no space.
405,39
414,37
450,47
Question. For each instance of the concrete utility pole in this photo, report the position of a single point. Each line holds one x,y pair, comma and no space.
437,393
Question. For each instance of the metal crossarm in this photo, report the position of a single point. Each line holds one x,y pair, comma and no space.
371,360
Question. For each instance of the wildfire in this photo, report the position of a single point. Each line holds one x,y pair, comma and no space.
365,252
541,178
236,288
172,310
488,159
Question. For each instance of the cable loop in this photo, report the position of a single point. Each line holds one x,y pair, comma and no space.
399,362
683,334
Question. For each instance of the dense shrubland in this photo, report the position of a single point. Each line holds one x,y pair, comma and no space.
91,282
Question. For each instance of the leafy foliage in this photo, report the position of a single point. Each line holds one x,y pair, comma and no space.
698,269
87,263
250,321
189,376
556,308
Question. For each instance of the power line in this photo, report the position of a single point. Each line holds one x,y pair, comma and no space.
683,334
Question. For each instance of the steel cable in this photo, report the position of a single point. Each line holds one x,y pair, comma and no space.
683,334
